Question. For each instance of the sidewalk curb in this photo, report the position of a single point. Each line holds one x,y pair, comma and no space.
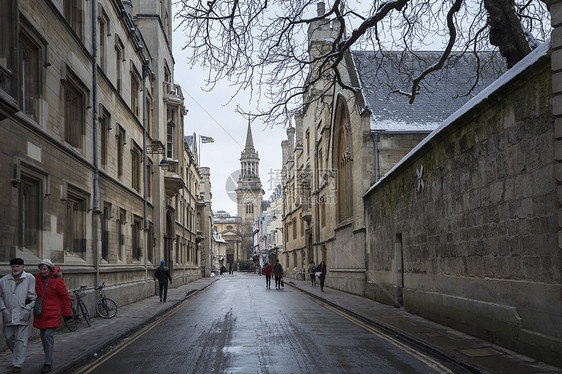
400,334
88,355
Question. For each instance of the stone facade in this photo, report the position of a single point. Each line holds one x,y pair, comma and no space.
230,230
344,141
74,107
465,230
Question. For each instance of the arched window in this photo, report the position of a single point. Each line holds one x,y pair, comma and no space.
343,162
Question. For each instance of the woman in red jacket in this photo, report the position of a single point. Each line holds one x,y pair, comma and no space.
268,271
55,301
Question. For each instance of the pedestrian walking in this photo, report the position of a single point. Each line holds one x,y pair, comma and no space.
268,272
162,273
278,272
322,270
311,270
51,290
17,299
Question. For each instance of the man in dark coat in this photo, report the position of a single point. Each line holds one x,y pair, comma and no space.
278,272
162,273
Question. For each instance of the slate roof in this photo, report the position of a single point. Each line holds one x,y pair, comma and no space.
441,94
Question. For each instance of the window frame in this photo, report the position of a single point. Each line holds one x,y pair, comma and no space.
73,85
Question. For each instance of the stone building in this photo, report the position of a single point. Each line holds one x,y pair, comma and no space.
342,142
91,142
229,227
465,229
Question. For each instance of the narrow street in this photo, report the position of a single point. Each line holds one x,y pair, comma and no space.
239,326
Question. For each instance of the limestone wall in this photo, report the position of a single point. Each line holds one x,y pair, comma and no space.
465,230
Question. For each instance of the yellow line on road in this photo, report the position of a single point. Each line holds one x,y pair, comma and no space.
433,364
91,367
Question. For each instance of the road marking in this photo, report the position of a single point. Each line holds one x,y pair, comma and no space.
91,367
433,364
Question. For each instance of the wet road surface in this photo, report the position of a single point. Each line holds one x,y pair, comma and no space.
239,326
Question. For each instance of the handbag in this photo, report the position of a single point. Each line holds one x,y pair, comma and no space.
318,273
38,307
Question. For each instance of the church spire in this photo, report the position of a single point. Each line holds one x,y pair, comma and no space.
249,138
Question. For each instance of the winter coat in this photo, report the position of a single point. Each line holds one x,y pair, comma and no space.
268,271
311,269
162,273
322,269
277,269
55,301
13,297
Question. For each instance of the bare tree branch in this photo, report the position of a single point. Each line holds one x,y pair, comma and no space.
262,47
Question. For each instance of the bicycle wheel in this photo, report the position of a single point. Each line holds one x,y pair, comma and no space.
106,308
299,276
85,313
72,322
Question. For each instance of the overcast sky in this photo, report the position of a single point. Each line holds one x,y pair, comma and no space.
210,116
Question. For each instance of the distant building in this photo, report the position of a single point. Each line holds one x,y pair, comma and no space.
249,193
229,227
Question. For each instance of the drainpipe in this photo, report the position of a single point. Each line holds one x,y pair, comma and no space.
144,161
317,194
95,203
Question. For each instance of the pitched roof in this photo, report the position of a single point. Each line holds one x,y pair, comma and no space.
442,92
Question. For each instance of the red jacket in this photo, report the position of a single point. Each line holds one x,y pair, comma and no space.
268,271
56,300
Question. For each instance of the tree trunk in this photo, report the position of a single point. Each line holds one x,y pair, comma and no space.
506,31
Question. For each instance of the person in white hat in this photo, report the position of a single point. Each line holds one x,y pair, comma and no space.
17,299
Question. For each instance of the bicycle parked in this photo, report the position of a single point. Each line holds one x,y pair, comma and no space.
78,308
105,307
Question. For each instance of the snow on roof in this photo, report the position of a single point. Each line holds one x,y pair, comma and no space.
507,77
383,77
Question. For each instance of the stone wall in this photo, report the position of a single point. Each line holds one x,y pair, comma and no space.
473,242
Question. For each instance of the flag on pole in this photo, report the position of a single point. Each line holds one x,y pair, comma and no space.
207,139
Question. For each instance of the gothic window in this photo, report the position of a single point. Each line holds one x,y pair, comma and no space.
30,60
149,114
103,28
105,233
150,243
30,213
119,58
120,223
170,140
75,224
322,211
135,92
120,151
74,111
73,15
149,179
104,126
136,168
137,246
343,158
249,208
294,221
8,42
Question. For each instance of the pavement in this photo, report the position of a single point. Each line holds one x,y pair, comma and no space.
73,349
